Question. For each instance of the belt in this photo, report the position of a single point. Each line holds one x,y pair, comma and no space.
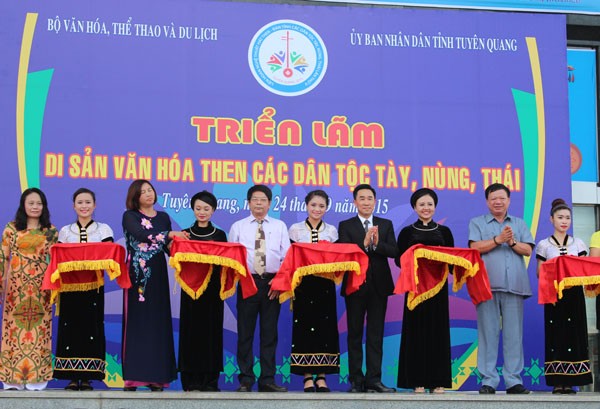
265,276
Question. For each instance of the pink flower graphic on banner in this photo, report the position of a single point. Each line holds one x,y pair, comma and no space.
146,224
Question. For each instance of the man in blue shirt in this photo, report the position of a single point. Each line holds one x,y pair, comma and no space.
502,240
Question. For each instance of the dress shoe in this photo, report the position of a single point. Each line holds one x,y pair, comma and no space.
517,389
356,387
271,387
130,388
309,387
379,387
321,388
72,386
245,387
487,390
156,388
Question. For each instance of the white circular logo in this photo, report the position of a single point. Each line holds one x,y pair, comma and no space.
287,57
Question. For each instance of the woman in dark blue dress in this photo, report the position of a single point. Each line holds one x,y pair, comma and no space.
148,352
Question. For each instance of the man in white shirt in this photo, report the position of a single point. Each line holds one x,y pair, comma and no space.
266,241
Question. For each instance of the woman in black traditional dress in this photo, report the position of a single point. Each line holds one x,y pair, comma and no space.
315,338
565,323
201,320
148,351
425,344
81,345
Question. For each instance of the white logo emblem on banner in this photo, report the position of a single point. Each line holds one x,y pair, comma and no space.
287,57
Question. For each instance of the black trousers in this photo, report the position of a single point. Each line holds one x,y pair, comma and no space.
248,311
365,302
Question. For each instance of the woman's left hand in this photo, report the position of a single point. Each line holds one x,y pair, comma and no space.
180,234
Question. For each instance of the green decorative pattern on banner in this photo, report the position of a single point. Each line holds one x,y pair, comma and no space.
463,366
230,369
284,370
114,372
535,371
344,374
36,94
527,116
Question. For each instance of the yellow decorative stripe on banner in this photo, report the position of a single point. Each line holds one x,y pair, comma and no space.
536,73
26,42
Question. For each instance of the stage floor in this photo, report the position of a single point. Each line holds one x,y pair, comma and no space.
114,399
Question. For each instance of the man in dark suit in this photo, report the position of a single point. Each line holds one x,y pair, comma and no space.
377,239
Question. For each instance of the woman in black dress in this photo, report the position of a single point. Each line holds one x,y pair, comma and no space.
148,352
425,344
567,362
201,320
81,346
315,338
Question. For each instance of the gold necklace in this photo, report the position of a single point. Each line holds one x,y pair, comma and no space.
202,235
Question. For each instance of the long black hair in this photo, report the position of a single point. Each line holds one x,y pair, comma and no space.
21,215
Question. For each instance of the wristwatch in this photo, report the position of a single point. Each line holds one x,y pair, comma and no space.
514,243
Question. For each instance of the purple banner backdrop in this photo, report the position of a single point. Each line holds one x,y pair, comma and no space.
219,96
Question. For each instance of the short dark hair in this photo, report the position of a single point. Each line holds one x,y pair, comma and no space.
361,187
494,187
260,188
21,215
206,197
134,192
419,193
318,192
84,190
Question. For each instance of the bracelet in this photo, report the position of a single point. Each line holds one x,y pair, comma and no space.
514,243
495,242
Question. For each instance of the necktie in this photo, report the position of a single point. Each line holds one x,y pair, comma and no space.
366,231
260,250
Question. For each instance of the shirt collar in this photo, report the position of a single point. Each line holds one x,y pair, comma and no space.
86,226
255,220
490,217
370,219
